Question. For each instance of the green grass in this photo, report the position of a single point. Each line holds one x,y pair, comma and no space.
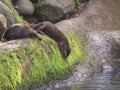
39,63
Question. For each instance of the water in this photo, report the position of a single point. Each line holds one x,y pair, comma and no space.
109,79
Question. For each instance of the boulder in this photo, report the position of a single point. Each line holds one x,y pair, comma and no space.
53,9
2,0
11,19
25,7
3,25
13,45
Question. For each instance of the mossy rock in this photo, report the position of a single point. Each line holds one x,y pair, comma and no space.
38,63
4,10
14,13
3,25
54,10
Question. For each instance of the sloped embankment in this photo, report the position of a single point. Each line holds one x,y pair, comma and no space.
39,62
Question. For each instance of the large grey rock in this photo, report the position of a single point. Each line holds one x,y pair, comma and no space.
11,19
3,25
64,5
25,7
2,0
13,45
54,9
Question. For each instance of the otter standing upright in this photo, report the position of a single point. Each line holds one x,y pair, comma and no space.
53,32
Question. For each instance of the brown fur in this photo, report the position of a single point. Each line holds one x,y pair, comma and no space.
18,31
34,1
52,31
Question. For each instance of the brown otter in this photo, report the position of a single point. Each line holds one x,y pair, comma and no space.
18,31
34,1
53,32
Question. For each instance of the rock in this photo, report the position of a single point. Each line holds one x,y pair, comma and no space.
53,9
2,0
3,21
8,14
3,25
115,47
25,7
13,45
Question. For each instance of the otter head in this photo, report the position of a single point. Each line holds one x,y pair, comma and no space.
64,49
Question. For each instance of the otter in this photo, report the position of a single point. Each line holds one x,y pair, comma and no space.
53,32
34,1
15,1
18,31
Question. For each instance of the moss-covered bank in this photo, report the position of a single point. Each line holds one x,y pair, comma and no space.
36,64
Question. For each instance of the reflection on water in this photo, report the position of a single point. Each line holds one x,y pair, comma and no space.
109,79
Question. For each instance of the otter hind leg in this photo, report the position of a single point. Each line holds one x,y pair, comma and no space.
41,29
36,26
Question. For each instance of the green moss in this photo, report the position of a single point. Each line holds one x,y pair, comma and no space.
47,12
37,64
9,71
10,5
78,5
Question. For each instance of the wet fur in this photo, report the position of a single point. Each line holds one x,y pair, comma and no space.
53,32
18,31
